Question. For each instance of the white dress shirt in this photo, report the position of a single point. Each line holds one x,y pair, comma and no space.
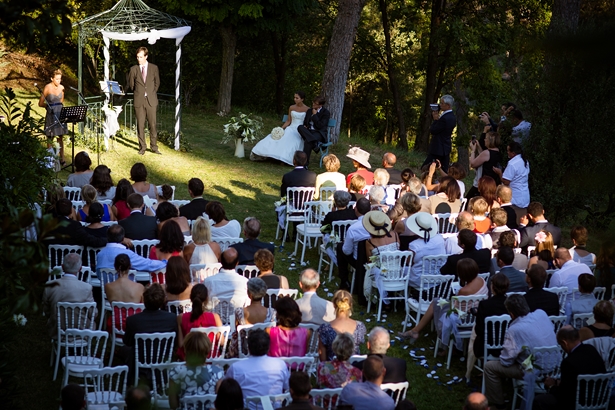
260,376
228,285
568,276
355,234
517,173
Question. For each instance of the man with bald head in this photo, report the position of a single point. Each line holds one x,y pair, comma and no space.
378,344
476,401
227,284
465,220
314,309
503,195
388,162
568,273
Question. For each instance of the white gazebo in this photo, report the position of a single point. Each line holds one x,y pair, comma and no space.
133,20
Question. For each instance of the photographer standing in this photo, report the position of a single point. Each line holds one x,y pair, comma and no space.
441,130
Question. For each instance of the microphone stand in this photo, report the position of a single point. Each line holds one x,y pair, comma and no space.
49,109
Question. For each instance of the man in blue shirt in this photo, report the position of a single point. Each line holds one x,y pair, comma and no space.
368,395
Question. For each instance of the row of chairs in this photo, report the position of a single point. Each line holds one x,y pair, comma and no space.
74,194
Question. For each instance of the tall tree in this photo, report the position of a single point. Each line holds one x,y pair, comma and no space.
338,58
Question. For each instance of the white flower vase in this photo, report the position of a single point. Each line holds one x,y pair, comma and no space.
239,150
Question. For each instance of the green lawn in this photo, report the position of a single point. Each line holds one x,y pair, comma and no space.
246,189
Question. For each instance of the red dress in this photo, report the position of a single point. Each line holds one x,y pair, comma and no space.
207,319
123,211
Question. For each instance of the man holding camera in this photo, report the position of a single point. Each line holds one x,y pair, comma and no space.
441,130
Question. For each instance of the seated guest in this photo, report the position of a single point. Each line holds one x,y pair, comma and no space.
171,242
538,222
568,272
603,325
467,241
476,401
378,343
360,161
73,397
177,279
120,207
222,227
229,395
347,251
409,204
298,177
314,309
259,374
579,235
138,174
66,289
197,318
138,398
356,187
381,178
342,301
202,250
88,195
94,218
506,256
331,178
543,255
509,239
251,244
166,211
581,359
71,232
83,173
123,289
447,199
479,207
368,395
264,261
503,194
227,284
585,302
520,336
195,377
465,220
494,306
300,387
498,218
376,197
388,163
538,298
341,212
106,257
137,225
165,194
429,242
197,204
381,240
417,188
101,180
339,372
288,339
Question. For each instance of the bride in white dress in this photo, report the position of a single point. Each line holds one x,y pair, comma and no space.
284,148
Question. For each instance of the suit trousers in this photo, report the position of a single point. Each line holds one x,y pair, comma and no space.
146,111
310,140
494,373
342,266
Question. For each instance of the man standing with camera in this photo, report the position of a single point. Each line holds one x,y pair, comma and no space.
441,130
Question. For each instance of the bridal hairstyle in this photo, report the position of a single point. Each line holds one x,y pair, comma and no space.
301,94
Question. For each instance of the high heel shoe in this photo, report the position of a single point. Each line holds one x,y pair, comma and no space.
411,337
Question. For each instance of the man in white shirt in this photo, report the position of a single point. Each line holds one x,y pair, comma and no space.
521,128
314,309
227,284
568,273
347,251
259,374
106,257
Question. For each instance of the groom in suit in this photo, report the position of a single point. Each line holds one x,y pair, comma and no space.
144,81
314,128
441,130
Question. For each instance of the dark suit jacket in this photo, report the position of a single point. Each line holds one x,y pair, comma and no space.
138,226
585,359
296,178
511,217
481,256
494,306
441,131
394,176
149,321
299,404
541,299
529,232
396,368
151,84
194,209
248,248
320,122
516,278
73,233
343,215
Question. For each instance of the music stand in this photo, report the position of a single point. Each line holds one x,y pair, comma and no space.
71,115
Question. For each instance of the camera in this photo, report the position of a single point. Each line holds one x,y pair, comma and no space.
435,107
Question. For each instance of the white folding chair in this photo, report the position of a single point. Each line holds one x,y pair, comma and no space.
84,350
159,276
142,246
199,272
547,361
91,255
108,202
106,386
599,292
310,228
161,383
562,293
268,402
312,350
220,336
594,391
396,390
466,321
296,198
338,229
299,364
495,330
78,205
56,273
515,293
226,241
149,202
396,190
57,253
485,276
273,294
107,275
204,401
394,266
119,312
242,335
72,193
325,398
225,309
558,322
357,358
325,193
432,287
248,271
179,202
580,320
152,348
177,307
69,316
446,222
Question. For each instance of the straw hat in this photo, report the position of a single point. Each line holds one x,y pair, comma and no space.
377,223
362,157
422,224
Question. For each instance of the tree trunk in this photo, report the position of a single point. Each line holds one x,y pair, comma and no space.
431,76
565,16
338,58
403,141
229,44
279,60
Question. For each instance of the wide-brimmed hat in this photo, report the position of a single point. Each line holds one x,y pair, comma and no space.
362,157
377,223
422,224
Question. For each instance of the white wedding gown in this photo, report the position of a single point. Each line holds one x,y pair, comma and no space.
284,148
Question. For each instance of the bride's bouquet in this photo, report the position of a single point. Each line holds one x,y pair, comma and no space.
277,133
245,127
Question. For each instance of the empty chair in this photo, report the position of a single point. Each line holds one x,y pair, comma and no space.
594,391
106,386
296,207
84,350
152,348
72,193
310,228
119,312
396,390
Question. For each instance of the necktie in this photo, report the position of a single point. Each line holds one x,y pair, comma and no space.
143,72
